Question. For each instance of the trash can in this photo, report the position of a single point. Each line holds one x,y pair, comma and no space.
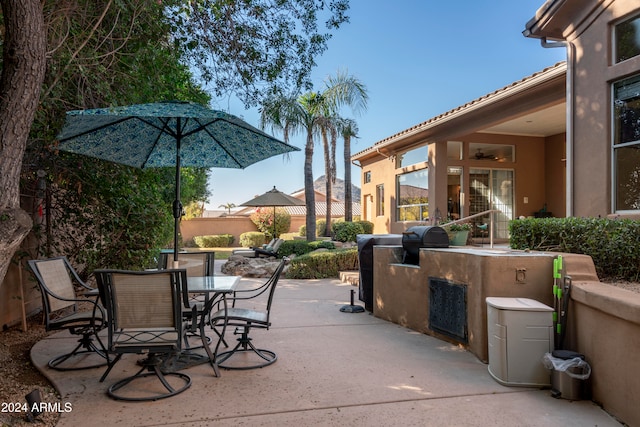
520,332
365,243
569,374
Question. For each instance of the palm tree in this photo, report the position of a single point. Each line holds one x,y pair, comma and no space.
340,90
314,113
348,128
228,206
291,115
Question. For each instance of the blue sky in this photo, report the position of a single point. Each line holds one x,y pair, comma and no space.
418,59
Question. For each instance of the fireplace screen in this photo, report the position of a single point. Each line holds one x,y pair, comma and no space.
448,308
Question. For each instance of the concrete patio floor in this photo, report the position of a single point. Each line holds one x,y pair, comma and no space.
333,368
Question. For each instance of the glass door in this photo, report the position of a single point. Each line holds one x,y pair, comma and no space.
454,187
491,189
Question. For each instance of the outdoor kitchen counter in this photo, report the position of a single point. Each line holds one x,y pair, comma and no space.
404,294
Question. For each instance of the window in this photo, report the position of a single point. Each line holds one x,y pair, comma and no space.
413,157
494,152
380,200
367,177
626,145
413,196
627,39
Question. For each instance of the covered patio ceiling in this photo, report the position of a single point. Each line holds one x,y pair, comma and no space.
546,122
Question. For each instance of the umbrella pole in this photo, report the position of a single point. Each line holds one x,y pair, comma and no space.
274,222
177,206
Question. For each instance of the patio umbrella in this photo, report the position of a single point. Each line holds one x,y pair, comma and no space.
274,198
164,134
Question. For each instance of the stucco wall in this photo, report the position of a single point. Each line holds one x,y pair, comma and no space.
603,321
401,292
12,296
227,225
604,325
536,177
593,77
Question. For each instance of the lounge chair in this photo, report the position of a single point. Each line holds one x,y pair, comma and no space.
269,250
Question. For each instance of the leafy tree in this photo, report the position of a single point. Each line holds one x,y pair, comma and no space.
264,219
256,49
24,46
105,52
79,214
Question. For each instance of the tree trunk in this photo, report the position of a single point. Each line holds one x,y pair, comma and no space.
23,72
327,182
348,204
309,193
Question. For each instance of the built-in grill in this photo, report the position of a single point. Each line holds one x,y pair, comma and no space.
422,236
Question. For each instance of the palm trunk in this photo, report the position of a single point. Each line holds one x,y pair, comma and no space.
309,194
348,204
327,185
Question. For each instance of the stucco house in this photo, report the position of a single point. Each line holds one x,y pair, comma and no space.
504,151
562,142
602,40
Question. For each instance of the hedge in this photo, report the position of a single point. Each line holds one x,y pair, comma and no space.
214,241
321,265
252,239
301,247
613,244
347,231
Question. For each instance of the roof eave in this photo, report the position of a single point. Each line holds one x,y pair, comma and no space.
431,127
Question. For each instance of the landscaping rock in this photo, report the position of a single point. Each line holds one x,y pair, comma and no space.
238,265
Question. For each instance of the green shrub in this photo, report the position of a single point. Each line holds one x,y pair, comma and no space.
252,239
367,226
288,236
321,228
613,244
347,231
322,265
301,247
214,241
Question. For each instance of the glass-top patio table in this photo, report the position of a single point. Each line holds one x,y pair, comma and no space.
215,288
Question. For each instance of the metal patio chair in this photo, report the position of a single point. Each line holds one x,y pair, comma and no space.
69,303
246,319
144,309
196,264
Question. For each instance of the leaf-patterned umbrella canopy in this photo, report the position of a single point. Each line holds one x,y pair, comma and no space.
163,134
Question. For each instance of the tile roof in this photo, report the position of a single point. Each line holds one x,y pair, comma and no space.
496,95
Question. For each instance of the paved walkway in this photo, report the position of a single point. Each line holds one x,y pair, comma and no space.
333,369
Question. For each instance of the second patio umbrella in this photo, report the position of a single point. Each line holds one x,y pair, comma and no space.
274,198
165,134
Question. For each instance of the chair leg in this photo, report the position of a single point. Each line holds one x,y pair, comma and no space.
246,346
86,343
109,367
153,367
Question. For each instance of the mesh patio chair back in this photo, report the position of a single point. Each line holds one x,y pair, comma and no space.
145,316
61,289
196,263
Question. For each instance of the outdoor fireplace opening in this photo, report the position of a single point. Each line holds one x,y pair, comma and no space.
448,308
